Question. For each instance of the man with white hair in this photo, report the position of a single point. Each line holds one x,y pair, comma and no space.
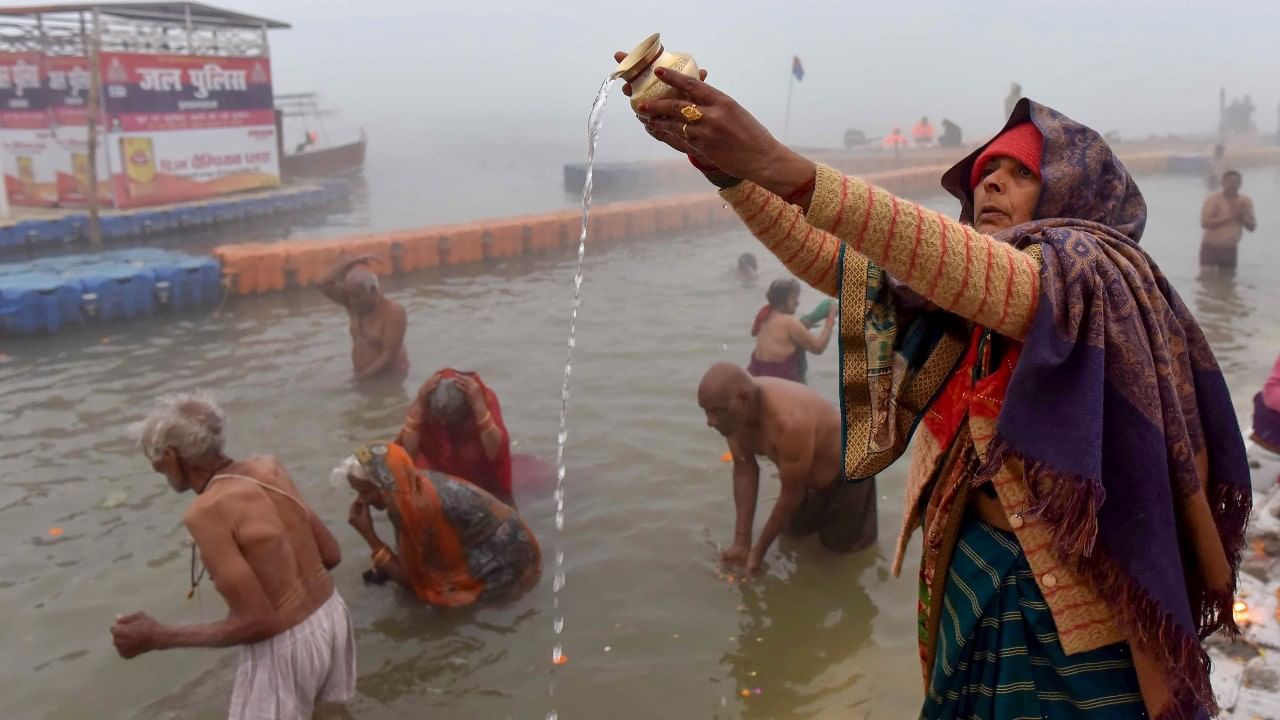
268,555
377,322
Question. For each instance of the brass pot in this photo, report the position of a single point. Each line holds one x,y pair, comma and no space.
637,69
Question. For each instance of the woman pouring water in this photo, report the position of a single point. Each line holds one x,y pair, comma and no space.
1079,474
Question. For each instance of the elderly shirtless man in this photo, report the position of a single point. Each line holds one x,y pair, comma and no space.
377,322
799,431
269,557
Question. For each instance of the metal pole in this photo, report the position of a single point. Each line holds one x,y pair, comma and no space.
1222,115
191,46
786,124
91,46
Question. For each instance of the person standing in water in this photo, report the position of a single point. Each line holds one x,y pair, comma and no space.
455,543
268,555
1077,455
799,431
377,322
782,339
1224,217
747,270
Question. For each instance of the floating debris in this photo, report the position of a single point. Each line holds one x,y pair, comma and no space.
115,498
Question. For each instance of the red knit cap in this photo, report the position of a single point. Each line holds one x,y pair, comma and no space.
1022,142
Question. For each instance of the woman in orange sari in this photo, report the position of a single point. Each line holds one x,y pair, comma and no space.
455,426
455,543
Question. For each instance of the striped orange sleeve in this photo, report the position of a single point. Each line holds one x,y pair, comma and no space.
970,274
810,253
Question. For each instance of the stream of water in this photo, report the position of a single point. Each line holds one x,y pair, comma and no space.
594,122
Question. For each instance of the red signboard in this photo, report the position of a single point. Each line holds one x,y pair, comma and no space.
173,128
186,127
27,145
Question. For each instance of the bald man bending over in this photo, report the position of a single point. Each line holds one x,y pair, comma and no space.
377,322
798,430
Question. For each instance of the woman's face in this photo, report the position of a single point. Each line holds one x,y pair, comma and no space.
1006,195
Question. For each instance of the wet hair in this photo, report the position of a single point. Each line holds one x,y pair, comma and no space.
780,291
746,261
1232,173
446,399
190,423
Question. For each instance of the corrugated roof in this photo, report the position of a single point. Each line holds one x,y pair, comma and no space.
162,12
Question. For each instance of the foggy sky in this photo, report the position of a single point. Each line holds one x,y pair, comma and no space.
473,107
495,74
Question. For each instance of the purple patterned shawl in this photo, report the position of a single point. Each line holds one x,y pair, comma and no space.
1120,413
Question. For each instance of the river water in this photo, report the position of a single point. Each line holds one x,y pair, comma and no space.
652,629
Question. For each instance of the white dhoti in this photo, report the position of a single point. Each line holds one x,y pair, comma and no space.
281,678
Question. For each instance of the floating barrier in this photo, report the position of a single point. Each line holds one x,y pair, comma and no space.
46,295
116,226
251,269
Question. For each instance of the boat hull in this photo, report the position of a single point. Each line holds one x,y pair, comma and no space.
327,162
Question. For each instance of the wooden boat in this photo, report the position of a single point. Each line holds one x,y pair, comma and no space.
314,156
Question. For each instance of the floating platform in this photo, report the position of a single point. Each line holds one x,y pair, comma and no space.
50,294
37,229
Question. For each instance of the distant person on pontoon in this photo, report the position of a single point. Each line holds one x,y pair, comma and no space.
1010,100
922,133
377,323
455,426
268,555
455,544
1224,217
951,137
1217,166
781,338
894,140
747,270
307,141
800,432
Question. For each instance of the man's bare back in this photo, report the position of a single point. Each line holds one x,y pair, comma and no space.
795,422
267,554
274,535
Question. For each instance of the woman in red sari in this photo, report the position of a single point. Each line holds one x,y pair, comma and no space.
455,426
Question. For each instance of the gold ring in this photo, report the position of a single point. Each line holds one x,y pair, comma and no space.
684,130
691,113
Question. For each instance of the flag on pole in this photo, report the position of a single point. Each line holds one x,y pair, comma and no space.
796,68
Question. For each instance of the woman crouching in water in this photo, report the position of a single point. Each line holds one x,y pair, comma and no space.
455,543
